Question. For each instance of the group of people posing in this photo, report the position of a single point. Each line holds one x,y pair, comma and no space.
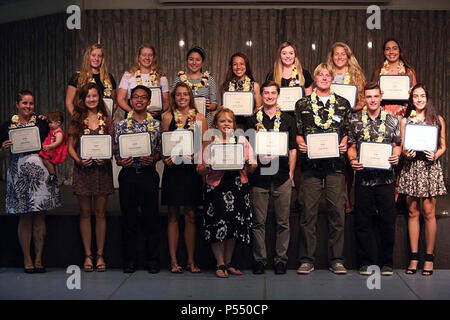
235,202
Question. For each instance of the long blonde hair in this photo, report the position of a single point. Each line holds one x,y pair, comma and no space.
353,68
153,67
278,65
85,73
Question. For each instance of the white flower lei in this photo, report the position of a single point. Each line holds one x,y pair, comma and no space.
315,108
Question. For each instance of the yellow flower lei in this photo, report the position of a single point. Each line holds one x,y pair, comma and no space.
101,124
231,140
381,129
293,79
15,121
194,86
149,119
413,117
108,87
315,108
137,76
400,67
232,84
347,78
276,125
179,119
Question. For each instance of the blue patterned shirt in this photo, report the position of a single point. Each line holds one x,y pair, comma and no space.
155,136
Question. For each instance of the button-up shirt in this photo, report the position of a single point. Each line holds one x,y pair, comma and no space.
373,177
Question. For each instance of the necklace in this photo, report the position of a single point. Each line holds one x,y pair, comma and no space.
347,78
107,84
149,120
381,129
293,81
385,69
315,108
15,121
101,124
138,78
276,126
231,140
194,86
179,119
233,84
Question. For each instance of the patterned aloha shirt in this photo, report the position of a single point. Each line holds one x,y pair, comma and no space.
155,136
305,125
374,177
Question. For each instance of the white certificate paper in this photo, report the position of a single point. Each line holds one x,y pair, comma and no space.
156,101
348,91
135,145
323,145
272,143
177,143
109,103
200,103
420,137
288,97
240,102
395,87
375,155
227,156
25,139
95,146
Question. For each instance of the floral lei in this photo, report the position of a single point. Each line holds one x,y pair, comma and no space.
149,119
400,68
15,121
315,108
294,76
276,126
179,119
347,78
217,139
381,129
413,117
232,84
194,86
137,76
101,124
107,84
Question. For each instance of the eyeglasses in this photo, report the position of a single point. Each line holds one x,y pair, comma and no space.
139,97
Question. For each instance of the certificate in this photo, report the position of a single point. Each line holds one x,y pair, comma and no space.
420,137
395,87
228,156
156,101
323,145
272,143
109,104
177,143
95,146
240,102
288,97
200,103
25,139
134,145
348,91
375,155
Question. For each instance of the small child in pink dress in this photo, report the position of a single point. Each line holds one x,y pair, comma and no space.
54,148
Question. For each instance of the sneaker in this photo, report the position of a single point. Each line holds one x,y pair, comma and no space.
305,268
258,268
364,270
338,268
387,271
280,268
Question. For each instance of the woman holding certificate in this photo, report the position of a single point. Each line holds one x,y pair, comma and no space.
201,83
239,78
144,72
227,215
29,191
347,72
421,177
92,178
93,70
181,185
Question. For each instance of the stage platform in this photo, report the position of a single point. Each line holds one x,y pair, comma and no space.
63,245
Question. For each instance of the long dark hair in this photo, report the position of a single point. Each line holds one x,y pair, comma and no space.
80,111
402,58
231,76
431,115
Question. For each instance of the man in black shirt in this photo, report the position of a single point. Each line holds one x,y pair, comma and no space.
273,177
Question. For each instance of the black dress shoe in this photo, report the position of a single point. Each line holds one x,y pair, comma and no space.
40,270
130,267
258,268
280,268
153,268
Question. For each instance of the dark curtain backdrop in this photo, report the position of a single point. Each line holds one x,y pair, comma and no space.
41,54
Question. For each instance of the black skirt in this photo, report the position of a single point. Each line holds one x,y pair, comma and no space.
181,185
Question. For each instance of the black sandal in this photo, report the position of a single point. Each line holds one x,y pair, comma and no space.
413,256
429,258
221,271
233,270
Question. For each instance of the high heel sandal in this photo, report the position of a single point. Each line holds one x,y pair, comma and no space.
88,267
429,258
413,256
102,266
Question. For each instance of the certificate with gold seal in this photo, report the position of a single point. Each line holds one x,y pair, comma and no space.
323,145
25,139
227,156
96,146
